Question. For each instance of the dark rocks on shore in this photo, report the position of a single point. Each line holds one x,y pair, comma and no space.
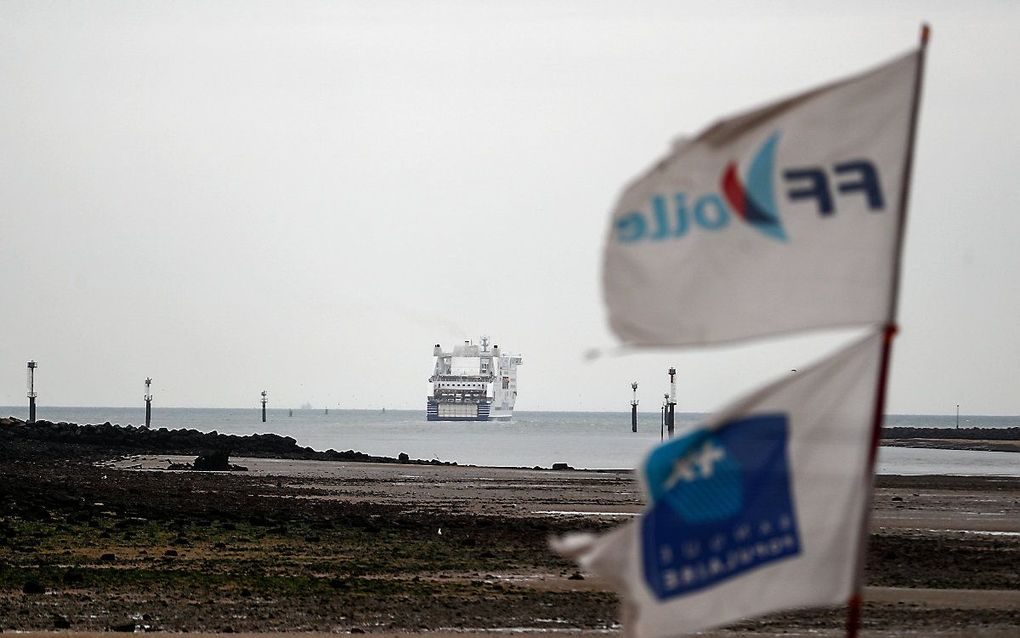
217,461
33,587
128,627
106,437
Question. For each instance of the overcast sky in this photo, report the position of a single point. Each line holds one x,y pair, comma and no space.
305,197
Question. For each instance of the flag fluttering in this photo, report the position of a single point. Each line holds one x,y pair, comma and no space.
783,218
758,510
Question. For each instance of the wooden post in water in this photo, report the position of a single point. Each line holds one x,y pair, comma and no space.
148,402
264,399
31,391
633,408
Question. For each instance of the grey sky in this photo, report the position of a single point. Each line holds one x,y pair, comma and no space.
305,197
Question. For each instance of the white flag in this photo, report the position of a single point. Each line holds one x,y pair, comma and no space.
759,510
780,219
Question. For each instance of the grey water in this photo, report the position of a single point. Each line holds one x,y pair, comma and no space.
590,440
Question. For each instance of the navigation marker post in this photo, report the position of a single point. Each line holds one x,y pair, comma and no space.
31,391
148,402
633,408
671,410
662,416
264,399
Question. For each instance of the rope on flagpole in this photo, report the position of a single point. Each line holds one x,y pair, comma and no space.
853,618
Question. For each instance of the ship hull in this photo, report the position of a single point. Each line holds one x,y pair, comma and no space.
436,411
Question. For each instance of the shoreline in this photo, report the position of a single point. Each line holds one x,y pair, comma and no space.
111,438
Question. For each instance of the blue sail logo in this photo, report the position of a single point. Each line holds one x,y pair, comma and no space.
721,505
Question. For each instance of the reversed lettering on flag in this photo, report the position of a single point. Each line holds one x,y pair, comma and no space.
721,505
780,219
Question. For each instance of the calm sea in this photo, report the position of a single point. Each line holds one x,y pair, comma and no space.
596,440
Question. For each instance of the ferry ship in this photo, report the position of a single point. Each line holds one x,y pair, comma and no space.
473,382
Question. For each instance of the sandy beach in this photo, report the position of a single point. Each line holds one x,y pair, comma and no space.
101,542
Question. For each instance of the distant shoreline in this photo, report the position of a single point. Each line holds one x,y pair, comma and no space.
108,438
976,439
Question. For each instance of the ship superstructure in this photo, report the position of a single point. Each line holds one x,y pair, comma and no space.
473,382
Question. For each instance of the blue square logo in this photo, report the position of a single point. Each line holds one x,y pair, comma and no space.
721,506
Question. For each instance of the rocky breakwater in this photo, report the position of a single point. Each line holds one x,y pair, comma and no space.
980,439
975,434
70,439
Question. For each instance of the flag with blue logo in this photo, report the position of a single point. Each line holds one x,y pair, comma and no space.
779,219
758,510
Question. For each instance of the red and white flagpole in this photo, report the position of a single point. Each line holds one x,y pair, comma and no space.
853,620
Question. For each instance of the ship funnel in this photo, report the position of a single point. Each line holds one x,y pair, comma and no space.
437,351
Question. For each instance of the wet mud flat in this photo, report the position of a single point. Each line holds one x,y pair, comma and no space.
89,542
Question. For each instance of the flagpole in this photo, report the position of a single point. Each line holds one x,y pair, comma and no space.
853,616
908,169
853,620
